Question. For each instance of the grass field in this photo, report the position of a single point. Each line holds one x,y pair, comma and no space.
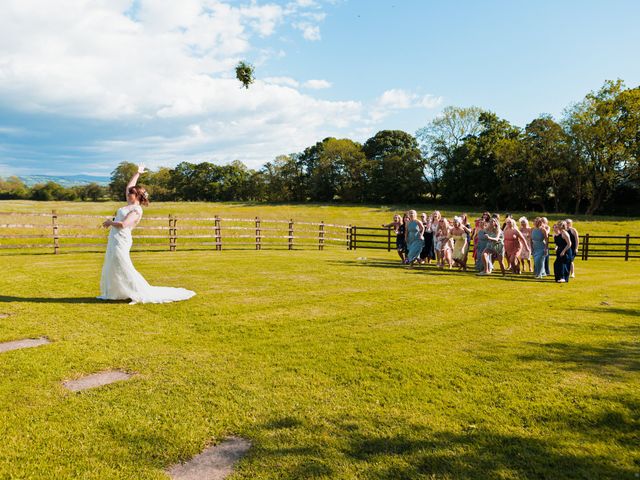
339,214
333,365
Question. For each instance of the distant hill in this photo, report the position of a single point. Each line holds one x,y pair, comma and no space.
64,180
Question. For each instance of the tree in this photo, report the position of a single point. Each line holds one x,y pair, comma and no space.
235,182
395,167
604,132
52,191
440,138
476,173
13,188
285,179
549,164
121,176
334,169
197,181
158,184
91,191
349,163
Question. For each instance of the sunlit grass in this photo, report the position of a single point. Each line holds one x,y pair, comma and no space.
334,365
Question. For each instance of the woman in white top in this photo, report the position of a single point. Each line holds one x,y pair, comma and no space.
120,280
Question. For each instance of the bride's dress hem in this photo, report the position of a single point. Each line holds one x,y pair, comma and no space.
180,298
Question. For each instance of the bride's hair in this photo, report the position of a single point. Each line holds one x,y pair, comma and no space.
141,194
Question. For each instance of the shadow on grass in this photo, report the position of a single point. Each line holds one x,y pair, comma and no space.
419,452
478,454
634,312
432,269
599,359
79,300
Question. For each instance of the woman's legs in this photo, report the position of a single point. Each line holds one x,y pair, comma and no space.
538,264
561,268
487,259
546,265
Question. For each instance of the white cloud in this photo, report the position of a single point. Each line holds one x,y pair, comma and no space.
309,31
398,99
92,59
285,81
254,139
402,99
317,84
167,66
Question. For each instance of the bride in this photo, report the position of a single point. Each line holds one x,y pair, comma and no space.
120,280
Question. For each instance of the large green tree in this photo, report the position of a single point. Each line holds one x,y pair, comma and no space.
440,138
395,167
478,172
604,134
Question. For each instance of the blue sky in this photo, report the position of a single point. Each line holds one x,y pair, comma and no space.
83,87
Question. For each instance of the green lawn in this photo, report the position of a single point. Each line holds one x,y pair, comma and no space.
333,365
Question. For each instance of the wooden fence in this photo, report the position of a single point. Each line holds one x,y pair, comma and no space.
57,232
591,246
71,231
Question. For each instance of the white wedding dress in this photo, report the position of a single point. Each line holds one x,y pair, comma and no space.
120,280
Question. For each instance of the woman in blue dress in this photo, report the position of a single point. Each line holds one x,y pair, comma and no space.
482,239
414,236
540,247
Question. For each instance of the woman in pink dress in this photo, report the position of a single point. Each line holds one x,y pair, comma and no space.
525,255
514,244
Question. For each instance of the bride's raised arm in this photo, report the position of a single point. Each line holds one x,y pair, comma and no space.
134,179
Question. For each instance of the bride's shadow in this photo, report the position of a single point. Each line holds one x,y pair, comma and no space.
77,300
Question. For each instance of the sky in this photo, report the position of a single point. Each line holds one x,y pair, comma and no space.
87,84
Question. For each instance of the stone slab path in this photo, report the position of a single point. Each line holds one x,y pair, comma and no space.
24,343
97,380
215,463
4,315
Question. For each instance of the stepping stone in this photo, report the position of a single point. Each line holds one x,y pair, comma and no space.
215,463
97,380
25,343
4,315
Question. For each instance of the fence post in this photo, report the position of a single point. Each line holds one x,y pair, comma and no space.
54,224
321,236
388,239
258,239
291,234
354,237
349,237
626,249
175,233
217,233
585,247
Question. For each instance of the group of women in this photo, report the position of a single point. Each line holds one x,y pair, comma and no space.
435,238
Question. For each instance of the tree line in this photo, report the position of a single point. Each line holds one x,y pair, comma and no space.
586,162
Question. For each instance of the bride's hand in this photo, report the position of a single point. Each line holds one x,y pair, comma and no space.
141,168
106,223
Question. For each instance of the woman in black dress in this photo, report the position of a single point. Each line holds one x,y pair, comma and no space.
428,251
398,228
562,265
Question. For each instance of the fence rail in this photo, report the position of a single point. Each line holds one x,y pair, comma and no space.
590,246
76,231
